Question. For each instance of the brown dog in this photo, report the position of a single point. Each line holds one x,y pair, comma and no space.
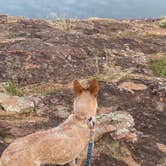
66,143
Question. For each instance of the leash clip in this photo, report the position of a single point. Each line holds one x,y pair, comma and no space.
91,123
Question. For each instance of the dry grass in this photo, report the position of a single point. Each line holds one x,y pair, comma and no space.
110,70
42,88
63,24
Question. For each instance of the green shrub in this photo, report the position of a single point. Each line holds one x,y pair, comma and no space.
162,24
13,89
158,66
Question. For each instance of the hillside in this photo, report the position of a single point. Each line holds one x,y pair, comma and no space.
39,59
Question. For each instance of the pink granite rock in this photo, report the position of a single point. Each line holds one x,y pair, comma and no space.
16,104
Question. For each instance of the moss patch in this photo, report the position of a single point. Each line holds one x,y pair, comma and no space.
116,149
158,66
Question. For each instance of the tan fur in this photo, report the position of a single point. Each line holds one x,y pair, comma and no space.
59,145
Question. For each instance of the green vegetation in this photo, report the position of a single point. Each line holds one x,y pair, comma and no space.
116,149
13,89
162,24
97,76
158,66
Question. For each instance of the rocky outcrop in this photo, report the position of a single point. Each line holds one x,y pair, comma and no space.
44,56
121,124
16,104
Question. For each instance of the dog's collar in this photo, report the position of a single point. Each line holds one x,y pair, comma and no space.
90,121
80,117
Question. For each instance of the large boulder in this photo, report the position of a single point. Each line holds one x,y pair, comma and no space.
16,104
119,124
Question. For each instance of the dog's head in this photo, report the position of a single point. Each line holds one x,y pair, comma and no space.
85,102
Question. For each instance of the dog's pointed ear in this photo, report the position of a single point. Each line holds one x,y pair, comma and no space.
77,88
94,87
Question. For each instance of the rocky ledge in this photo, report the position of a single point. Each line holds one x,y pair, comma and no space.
40,58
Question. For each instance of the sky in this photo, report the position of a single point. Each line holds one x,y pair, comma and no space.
118,9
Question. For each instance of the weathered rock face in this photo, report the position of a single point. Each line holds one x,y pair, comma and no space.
16,104
121,124
44,57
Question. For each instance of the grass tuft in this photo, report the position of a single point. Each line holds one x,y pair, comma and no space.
63,24
158,66
13,89
162,24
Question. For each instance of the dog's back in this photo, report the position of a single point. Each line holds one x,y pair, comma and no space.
59,145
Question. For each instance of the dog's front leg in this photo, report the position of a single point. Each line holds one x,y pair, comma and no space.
73,163
82,157
81,161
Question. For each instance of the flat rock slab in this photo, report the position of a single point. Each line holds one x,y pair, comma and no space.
131,86
16,104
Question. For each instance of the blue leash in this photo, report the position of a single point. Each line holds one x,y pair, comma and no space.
91,142
89,153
